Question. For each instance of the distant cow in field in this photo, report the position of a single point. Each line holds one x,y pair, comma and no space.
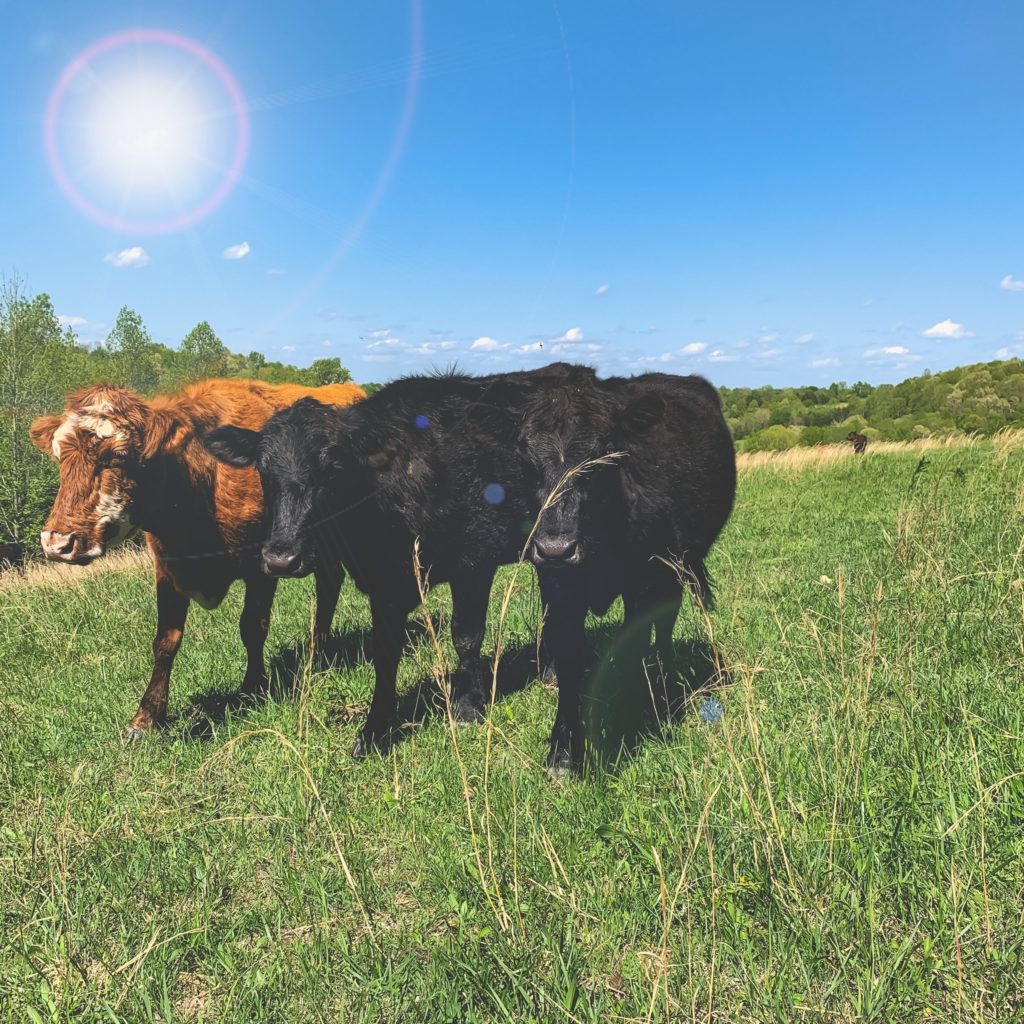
129,465
859,442
427,459
645,473
12,556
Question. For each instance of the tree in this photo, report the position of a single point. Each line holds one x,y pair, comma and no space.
38,364
131,352
327,371
202,353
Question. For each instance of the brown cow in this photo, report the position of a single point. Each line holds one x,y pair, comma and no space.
127,465
859,442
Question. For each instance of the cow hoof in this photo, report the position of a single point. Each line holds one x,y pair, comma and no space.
135,734
549,678
371,743
467,710
561,765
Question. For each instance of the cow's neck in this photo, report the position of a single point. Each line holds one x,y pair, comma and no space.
178,505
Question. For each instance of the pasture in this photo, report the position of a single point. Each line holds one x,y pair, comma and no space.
837,835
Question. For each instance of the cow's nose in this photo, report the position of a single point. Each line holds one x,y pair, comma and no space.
556,549
57,546
280,563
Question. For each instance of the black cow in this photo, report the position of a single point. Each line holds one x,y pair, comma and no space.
433,458
859,442
655,486
12,556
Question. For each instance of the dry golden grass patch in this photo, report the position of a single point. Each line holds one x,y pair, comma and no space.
830,455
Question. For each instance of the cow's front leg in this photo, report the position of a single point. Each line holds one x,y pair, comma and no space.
329,579
254,626
472,691
565,614
171,611
388,640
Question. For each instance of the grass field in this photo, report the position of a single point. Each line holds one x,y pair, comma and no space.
844,843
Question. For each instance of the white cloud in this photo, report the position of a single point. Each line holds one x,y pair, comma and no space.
827,361
1012,284
485,344
804,339
767,339
886,350
384,342
721,356
135,256
526,350
694,348
768,353
602,289
237,252
383,332
327,343
276,271
947,329
71,321
287,348
573,334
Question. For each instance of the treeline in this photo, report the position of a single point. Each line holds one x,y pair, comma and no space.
41,361
982,398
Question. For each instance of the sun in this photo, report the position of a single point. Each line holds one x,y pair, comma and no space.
146,131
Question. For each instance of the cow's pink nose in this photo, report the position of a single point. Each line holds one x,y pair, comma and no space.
57,546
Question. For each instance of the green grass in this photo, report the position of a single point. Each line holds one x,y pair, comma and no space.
846,844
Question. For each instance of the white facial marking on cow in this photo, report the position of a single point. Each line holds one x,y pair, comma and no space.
63,432
93,422
110,508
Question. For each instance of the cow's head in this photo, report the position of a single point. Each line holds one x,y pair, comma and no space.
102,442
292,455
574,436
569,438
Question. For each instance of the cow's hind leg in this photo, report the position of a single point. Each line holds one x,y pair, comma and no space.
471,693
388,640
171,611
329,579
254,626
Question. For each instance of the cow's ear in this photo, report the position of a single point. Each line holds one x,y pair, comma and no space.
163,432
234,446
42,431
643,414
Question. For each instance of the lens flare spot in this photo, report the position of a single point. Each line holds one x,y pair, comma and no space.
422,422
146,131
711,710
494,494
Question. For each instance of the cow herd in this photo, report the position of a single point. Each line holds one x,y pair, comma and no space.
610,487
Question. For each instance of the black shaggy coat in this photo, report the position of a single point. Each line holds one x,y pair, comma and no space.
433,459
655,486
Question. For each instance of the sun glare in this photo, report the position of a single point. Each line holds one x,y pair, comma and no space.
146,131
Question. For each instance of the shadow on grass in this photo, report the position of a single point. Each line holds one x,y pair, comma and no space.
618,718
620,715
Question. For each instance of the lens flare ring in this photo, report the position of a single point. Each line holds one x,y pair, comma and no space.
239,112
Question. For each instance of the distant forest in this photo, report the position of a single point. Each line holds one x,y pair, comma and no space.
41,360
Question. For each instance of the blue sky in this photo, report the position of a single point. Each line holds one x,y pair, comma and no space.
761,193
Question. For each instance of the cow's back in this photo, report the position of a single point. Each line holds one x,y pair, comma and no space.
680,475
216,516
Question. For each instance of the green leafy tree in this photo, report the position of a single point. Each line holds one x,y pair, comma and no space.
202,354
131,353
327,371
